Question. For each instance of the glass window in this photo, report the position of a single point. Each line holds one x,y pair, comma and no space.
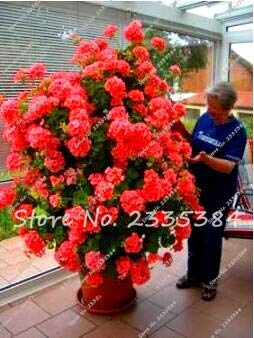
241,76
244,27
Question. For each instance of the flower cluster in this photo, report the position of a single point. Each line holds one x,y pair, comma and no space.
99,139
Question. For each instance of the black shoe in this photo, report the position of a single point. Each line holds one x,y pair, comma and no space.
208,294
185,283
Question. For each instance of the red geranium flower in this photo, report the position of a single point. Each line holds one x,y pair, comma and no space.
175,69
123,265
34,243
133,243
67,257
110,31
158,43
7,196
131,200
133,32
94,280
140,273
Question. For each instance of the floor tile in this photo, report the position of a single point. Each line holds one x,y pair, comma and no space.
45,262
15,256
194,324
164,332
183,298
219,308
31,333
57,299
12,243
2,249
4,333
3,264
58,326
73,283
96,319
113,329
23,316
146,315
3,282
241,326
237,289
19,271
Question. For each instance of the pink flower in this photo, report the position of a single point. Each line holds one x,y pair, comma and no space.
70,176
95,178
41,138
38,107
55,200
110,31
114,175
21,75
9,111
66,256
60,88
86,51
36,71
13,161
78,127
74,101
56,180
95,261
133,243
133,32
117,113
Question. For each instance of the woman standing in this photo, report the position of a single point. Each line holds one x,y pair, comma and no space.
218,142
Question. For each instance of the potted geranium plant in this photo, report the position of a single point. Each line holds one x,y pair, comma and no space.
105,178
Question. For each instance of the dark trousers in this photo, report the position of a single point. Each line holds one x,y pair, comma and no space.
205,249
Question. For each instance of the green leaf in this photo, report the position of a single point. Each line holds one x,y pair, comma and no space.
80,197
167,240
90,244
60,234
41,212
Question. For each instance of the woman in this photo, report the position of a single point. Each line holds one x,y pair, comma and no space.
218,142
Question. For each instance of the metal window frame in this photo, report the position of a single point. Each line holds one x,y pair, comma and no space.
235,17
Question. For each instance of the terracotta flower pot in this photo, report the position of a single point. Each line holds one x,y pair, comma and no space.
109,297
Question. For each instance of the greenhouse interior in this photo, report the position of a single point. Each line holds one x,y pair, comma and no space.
126,169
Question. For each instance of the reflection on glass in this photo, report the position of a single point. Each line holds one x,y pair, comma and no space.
241,76
194,57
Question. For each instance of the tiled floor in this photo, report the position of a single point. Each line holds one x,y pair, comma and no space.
49,312
16,266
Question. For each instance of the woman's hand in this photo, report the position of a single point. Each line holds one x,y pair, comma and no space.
218,164
201,157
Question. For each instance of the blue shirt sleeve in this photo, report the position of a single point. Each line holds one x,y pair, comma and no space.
235,146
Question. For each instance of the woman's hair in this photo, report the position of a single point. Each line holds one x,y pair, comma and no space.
226,94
